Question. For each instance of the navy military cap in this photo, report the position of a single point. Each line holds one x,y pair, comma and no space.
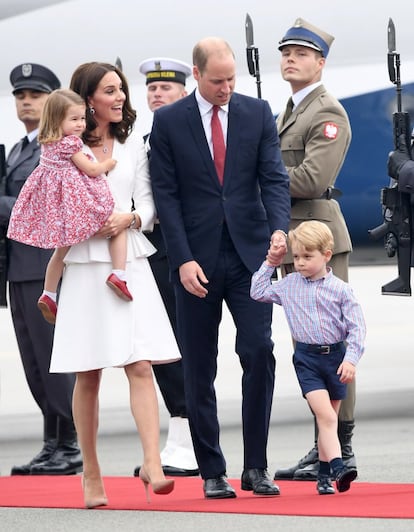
34,77
305,34
165,69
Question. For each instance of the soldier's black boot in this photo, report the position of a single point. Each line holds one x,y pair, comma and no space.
345,433
309,461
67,459
50,428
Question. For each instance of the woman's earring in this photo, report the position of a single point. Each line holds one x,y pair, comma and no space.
92,110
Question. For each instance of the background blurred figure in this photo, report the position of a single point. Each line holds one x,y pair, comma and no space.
165,79
60,454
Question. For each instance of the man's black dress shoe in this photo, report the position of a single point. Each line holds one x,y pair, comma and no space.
49,447
218,488
258,481
170,471
344,478
66,460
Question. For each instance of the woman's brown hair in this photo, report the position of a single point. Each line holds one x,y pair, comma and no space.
85,81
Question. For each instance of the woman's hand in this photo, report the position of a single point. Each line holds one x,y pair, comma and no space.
117,222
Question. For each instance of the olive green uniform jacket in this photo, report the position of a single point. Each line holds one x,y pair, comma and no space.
314,141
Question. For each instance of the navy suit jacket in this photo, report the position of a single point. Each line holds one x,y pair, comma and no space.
192,205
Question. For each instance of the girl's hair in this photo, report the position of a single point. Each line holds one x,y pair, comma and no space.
312,235
54,112
85,81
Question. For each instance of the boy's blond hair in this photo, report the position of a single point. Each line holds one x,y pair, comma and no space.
54,112
312,235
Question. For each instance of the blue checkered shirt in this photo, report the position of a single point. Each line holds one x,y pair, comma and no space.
321,312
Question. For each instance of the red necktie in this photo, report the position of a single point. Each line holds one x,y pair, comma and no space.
219,148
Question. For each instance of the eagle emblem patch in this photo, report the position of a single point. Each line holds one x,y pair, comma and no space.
330,130
27,70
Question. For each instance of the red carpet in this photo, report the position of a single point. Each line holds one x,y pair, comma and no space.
297,498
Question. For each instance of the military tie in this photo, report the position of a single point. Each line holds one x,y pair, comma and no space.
25,142
20,146
219,148
288,110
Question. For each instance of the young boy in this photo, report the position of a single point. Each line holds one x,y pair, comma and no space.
328,328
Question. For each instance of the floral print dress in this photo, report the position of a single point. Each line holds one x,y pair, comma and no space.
59,205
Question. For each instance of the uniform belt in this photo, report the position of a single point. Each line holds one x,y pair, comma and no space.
330,193
320,349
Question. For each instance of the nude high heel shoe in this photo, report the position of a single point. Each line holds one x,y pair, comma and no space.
92,501
162,487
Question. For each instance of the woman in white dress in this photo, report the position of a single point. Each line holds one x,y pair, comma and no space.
96,329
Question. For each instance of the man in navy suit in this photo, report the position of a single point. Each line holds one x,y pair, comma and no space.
217,234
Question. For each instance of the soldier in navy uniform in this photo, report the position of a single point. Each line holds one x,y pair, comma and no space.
165,80
60,454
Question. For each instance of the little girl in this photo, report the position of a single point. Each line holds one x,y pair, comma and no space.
66,200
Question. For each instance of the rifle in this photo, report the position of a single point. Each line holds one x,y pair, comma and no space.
253,65
252,55
3,232
396,228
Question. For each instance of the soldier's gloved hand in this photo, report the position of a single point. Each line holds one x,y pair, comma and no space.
397,158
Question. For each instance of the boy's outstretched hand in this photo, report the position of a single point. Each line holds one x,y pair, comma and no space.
277,249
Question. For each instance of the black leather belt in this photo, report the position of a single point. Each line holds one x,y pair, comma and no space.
320,349
330,193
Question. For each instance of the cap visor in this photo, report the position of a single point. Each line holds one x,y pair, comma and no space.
31,85
299,43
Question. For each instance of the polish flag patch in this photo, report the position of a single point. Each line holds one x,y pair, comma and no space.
330,130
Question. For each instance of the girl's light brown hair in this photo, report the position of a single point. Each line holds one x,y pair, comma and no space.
312,235
54,112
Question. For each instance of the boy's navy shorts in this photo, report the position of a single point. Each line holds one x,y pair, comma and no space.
316,367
